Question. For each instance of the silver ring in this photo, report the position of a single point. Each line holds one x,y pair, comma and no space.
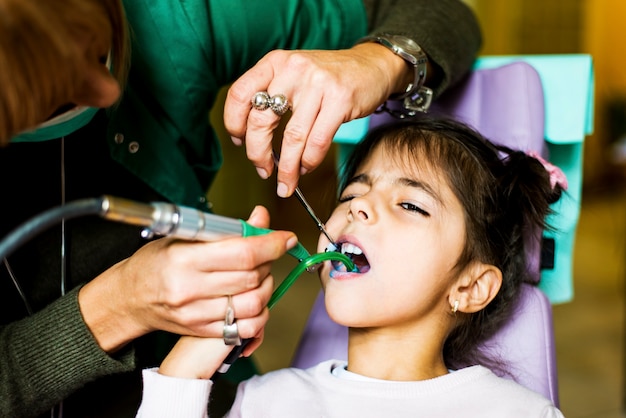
231,332
261,100
279,104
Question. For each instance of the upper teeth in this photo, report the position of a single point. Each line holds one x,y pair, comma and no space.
347,247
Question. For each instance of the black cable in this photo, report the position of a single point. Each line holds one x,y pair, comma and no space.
43,221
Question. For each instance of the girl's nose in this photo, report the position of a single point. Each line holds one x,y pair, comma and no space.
360,210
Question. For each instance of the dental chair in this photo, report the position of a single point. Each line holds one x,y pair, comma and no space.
540,103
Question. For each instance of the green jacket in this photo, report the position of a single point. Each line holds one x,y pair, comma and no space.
164,136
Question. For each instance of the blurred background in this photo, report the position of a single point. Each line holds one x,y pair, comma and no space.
590,329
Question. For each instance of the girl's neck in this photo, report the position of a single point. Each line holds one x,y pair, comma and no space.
374,353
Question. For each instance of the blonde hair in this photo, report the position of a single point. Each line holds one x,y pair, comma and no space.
41,56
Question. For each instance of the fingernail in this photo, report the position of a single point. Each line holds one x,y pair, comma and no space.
254,211
291,242
282,190
303,171
237,141
262,173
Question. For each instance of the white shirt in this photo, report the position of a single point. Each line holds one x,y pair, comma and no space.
318,392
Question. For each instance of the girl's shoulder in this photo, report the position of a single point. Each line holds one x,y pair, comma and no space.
503,394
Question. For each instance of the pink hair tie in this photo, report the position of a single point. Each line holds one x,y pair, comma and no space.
556,174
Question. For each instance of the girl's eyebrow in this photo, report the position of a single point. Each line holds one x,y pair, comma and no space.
363,178
425,187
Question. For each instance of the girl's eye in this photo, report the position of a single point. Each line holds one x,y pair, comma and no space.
414,208
346,198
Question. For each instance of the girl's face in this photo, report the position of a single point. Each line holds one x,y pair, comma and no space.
410,229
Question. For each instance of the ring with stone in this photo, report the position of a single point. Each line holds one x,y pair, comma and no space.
279,104
231,332
261,100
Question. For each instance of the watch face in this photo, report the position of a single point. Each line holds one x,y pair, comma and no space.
408,44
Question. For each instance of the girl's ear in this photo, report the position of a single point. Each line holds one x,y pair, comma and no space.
475,288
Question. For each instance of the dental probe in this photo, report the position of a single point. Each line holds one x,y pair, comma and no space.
309,209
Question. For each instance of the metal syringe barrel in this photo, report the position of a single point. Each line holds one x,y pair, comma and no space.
167,219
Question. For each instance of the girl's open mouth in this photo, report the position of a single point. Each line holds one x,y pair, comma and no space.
356,255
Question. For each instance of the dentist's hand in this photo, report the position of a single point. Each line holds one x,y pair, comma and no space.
324,89
182,287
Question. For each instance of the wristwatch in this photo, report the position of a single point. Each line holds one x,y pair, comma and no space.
416,97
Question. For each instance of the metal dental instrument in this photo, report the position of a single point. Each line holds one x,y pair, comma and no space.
308,207
166,219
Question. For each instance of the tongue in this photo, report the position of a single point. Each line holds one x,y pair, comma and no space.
360,262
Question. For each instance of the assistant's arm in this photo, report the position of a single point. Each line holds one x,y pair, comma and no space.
49,355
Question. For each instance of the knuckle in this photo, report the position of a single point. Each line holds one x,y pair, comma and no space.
261,119
300,62
174,298
274,55
245,328
316,149
252,280
294,134
293,170
255,304
251,327
247,259
236,93
175,293
318,141
178,318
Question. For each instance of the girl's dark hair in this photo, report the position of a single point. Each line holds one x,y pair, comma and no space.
506,196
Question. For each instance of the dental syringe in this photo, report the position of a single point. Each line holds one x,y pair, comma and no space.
166,219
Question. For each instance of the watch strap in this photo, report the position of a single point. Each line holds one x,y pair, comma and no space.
416,97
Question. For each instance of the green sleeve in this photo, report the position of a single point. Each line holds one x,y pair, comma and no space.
447,30
49,355
243,31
